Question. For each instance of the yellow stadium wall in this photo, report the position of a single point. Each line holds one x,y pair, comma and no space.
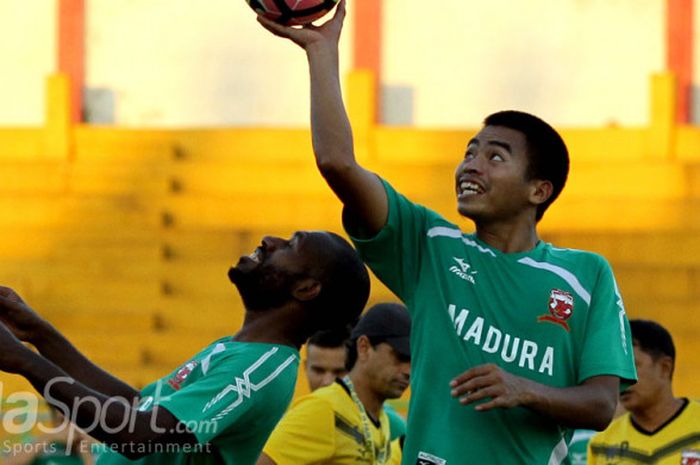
122,237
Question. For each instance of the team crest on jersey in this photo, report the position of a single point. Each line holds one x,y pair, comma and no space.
176,381
690,457
561,307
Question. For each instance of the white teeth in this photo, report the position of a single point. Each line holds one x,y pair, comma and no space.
470,188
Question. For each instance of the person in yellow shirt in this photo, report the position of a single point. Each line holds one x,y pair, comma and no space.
326,354
658,428
344,423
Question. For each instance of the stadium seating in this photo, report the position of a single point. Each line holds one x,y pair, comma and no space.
124,243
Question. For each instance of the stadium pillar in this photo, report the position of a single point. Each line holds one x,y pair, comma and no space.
58,124
664,102
367,45
71,51
679,53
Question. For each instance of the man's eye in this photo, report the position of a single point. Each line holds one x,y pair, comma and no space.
497,157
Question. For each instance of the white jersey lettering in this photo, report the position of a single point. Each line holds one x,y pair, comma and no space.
510,348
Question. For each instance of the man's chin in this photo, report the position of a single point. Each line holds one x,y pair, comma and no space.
234,274
467,211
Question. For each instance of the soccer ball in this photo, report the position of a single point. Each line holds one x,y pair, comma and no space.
292,12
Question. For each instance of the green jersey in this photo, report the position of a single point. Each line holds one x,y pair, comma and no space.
551,315
230,395
578,446
397,424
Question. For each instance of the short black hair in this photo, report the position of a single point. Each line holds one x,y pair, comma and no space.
653,339
344,285
330,338
351,345
548,157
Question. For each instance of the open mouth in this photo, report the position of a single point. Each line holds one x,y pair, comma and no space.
256,256
469,188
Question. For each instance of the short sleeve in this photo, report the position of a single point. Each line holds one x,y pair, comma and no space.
394,253
607,343
231,394
304,435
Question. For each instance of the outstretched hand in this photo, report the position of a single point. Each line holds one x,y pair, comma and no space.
309,34
18,316
490,382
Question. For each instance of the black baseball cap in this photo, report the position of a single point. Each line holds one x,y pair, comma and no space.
386,322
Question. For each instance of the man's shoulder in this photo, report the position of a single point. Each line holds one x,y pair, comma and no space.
325,396
614,430
692,411
333,394
270,368
568,255
694,404
231,351
430,214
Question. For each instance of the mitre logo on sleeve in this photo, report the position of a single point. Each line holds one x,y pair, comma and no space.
561,307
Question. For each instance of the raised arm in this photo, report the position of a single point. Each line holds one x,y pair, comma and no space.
28,326
360,190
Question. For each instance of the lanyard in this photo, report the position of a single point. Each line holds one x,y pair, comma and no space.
367,433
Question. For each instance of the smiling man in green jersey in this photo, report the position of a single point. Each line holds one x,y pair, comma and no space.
221,405
514,342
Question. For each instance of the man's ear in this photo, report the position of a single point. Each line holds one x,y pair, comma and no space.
666,364
363,347
307,289
541,191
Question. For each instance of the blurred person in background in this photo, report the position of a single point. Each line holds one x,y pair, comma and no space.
326,354
344,423
659,427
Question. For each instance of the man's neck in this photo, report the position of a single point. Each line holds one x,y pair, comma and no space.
265,326
650,419
370,400
511,237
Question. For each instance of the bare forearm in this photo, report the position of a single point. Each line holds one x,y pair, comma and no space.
331,131
588,406
56,348
109,419
361,191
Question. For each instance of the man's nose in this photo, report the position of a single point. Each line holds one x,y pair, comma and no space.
474,164
406,369
271,243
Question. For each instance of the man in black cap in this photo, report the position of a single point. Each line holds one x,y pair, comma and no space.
351,408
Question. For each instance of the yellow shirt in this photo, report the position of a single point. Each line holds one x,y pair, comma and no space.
326,427
675,443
